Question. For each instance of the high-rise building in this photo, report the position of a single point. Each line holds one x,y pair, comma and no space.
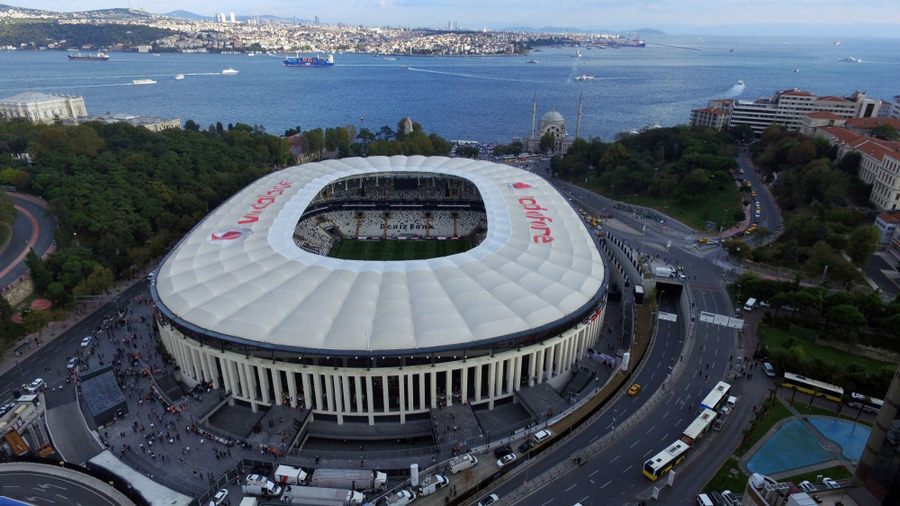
879,464
220,17
231,17
787,108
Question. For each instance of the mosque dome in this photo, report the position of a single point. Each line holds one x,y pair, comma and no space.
552,117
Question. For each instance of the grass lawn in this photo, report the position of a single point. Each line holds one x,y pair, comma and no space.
834,472
728,477
695,214
388,250
773,412
775,338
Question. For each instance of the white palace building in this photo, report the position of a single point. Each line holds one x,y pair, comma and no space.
251,300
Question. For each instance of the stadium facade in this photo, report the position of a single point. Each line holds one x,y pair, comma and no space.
250,301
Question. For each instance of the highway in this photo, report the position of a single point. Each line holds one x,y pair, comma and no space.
43,484
32,229
613,476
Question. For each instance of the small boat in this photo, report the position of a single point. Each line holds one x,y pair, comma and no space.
138,82
585,77
390,58
532,61
837,43
229,72
796,71
851,59
740,82
577,54
179,77
251,53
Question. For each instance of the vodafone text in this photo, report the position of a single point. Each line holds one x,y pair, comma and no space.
540,223
264,201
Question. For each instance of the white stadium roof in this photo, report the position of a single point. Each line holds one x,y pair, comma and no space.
238,275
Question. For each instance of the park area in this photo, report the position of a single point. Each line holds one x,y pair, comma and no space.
393,250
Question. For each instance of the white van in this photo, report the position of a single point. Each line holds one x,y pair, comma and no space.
769,369
750,304
704,500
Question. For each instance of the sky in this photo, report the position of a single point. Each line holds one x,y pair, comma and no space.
685,16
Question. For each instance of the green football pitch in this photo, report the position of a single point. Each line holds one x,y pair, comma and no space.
387,250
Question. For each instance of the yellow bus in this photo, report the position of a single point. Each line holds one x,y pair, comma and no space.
665,460
813,387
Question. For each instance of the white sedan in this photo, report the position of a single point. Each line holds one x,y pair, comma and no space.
86,341
506,459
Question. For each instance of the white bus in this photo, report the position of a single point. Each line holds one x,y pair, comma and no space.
665,460
716,397
866,403
699,427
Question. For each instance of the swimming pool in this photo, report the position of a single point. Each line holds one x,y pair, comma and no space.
850,436
793,446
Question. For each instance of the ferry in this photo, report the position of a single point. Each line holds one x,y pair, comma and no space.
89,56
229,72
585,77
138,82
179,77
308,61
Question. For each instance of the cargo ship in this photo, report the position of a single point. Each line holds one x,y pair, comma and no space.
89,56
308,61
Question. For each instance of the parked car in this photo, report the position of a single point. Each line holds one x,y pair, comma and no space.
86,341
4,409
526,446
542,435
220,498
506,459
35,386
72,363
502,450
769,369
490,499
830,483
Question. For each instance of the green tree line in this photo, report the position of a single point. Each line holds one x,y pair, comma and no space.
78,35
122,195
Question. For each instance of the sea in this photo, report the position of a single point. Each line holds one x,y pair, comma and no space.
484,98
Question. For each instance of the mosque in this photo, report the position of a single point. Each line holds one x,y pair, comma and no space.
552,122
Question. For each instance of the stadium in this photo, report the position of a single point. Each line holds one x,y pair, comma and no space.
367,289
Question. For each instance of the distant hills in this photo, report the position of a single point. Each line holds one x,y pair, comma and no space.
190,16
100,14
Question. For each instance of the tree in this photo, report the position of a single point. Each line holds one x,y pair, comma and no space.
886,131
548,142
847,318
862,243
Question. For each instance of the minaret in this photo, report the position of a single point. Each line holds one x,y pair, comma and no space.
578,116
533,114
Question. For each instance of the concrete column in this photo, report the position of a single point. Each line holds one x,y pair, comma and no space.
478,383
251,385
385,397
464,389
204,365
357,383
540,365
517,373
410,392
329,392
422,404
347,403
309,399
510,375
498,382
532,358
292,387
277,387
213,369
263,375
317,390
242,375
226,375
492,381
434,399
338,397
182,357
449,387
401,383
551,351
370,400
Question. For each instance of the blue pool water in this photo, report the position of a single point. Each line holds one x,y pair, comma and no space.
850,436
793,446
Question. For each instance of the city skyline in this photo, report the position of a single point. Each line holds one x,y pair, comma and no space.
798,17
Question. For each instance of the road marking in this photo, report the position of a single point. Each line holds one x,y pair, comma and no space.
593,439
546,503
614,459
635,443
664,415
627,469
679,421
573,486
605,484
64,498
648,453
583,499
593,473
651,429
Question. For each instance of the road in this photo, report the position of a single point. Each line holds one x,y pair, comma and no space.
770,217
32,229
42,484
614,475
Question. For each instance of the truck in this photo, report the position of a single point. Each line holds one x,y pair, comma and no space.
432,484
353,479
462,463
290,475
320,496
258,485
664,271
